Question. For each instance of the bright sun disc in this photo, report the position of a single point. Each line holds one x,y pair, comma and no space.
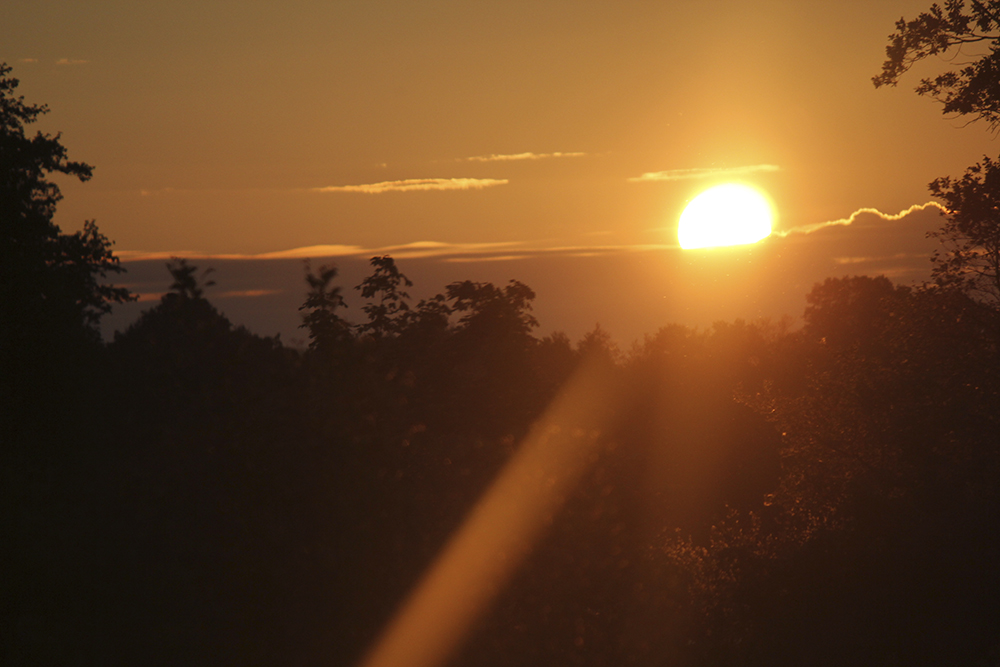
729,214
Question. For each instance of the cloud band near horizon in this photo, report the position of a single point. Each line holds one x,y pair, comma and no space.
417,184
701,172
493,251
452,252
519,156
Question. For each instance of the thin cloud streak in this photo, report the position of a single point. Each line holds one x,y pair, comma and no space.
71,61
248,293
451,252
505,251
416,249
519,156
309,251
871,260
417,184
146,297
849,220
562,251
702,172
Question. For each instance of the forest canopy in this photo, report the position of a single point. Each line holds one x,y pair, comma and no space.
194,493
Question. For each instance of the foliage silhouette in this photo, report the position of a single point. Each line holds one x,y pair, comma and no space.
203,495
327,330
186,285
208,454
387,316
970,256
970,259
973,88
48,278
52,293
874,516
489,309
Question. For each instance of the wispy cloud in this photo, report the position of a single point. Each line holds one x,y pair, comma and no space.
146,297
309,251
519,156
871,260
248,293
511,250
556,251
902,266
27,60
71,61
849,220
449,252
702,172
416,249
559,251
414,184
406,185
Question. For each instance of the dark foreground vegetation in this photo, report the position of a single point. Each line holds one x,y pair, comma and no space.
192,493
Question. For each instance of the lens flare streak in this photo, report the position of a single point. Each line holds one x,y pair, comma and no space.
501,529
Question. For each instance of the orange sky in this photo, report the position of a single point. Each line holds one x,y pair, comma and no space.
245,128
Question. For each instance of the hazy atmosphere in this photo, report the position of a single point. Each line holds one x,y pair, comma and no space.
483,133
464,334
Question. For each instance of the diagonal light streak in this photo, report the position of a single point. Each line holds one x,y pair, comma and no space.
503,527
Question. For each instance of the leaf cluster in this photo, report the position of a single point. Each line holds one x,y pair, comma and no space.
387,315
326,327
484,305
969,259
972,89
44,270
888,461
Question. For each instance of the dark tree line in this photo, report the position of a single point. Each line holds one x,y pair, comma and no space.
193,493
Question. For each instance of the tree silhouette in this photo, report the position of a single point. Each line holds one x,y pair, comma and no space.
970,256
50,283
845,312
598,343
386,316
490,348
970,237
186,284
207,453
183,355
887,431
488,308
973,88
327,330
52,289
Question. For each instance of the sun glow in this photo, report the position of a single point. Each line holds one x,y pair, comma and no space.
728,214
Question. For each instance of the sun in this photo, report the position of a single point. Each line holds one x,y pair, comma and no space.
727,214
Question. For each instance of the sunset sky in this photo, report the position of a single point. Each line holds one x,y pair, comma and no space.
551,142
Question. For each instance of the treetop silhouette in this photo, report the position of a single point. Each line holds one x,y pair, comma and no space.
969,259
486,307
972,88
386,315
186,284
326,327
50,282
